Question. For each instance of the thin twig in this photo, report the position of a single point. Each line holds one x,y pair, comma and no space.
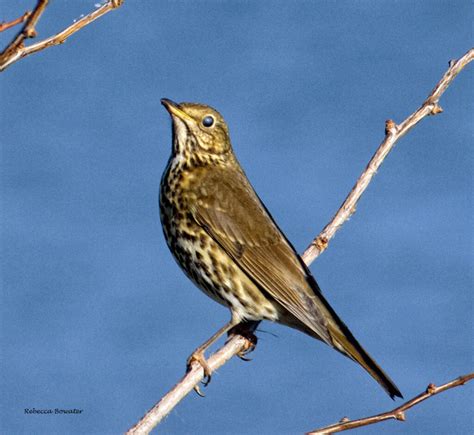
5,25
27,31
16,50
395,414
236,344
393,133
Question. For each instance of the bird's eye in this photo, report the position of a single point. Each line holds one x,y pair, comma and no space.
208,121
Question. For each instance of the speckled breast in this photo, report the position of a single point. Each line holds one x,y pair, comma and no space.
202,259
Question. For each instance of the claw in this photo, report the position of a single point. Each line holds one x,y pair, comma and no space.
243,358
250,344
201,360
198,391
250,347
206,379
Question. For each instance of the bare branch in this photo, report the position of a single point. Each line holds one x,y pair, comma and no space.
27,31
5,25
394,414
393,133
192,378
237,343
16,50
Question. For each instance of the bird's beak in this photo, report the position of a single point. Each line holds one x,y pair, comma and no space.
174,109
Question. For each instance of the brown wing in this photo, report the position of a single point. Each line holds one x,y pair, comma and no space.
232,214
229,210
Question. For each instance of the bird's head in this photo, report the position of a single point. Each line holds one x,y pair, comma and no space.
198,130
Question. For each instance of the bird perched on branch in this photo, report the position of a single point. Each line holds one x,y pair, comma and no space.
228,244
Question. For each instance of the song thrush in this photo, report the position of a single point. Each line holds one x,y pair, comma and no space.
228,244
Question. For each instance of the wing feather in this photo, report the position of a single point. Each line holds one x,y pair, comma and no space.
233,215
230,211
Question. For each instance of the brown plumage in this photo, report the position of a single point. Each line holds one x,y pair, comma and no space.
227,243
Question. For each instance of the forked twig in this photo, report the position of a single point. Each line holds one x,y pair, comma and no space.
17,50
5,25
237,343
395,414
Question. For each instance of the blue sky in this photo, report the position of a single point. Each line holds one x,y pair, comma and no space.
96,315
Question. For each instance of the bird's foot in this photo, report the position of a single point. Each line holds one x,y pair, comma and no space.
198,357
251,340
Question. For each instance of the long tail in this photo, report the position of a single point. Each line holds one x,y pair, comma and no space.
346,343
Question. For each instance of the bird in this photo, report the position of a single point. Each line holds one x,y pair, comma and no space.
226,241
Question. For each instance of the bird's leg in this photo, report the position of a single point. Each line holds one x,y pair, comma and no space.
198,354
246,329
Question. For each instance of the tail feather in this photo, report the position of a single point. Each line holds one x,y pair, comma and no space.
346,343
